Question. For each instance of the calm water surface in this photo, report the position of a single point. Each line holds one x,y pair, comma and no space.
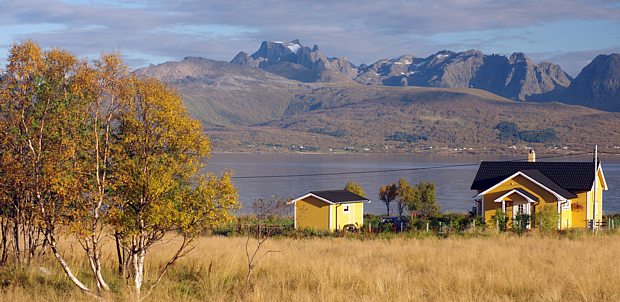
453,175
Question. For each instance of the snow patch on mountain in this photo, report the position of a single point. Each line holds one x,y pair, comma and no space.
294,47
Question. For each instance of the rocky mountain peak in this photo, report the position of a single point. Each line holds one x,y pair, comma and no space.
302,58
598,84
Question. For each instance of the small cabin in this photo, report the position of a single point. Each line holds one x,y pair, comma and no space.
329,210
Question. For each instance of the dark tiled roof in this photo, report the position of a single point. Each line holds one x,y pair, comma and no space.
526,193
569,176
545,181
340,196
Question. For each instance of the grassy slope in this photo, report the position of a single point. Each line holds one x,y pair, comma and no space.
368,115
488,268
242,106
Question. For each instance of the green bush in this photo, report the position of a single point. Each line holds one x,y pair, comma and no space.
520,223
546,218
499,219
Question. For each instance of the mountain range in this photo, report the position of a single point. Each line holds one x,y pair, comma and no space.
286,94
515,77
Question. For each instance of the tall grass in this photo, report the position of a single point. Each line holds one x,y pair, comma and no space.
574,266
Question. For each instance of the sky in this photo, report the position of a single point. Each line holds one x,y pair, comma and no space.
570,33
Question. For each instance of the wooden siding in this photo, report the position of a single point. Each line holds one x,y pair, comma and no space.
490,206
312,213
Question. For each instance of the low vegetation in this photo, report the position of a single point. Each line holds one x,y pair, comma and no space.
472,266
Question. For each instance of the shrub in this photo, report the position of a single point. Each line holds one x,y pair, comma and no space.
546,218
499,219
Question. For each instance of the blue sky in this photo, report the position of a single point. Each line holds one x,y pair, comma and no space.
569,33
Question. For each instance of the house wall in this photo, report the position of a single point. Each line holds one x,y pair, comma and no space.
490,207
586,198
312,213
566,218
580,219
599,196
355,215
359,214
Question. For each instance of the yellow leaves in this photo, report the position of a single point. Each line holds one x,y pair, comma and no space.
104,148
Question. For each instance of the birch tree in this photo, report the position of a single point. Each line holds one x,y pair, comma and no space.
37,102
159,180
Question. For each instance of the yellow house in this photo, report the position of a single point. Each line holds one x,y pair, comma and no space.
571,188
329,210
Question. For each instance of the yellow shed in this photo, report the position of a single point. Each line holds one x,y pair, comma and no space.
573,189
329,210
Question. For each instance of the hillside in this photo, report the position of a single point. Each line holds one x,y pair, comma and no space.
597,85
245,108
516,77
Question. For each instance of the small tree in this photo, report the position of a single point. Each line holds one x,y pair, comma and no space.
159,179
424,201
263,209
387,194
406,195
355,188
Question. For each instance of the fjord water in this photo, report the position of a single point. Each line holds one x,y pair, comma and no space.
453,175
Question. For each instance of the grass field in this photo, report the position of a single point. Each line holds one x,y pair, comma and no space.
577,266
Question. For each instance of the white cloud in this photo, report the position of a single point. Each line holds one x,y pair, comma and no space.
362,30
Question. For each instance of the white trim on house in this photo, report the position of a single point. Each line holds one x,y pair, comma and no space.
588,204
500,199
560,197
330,218
325,200
600,168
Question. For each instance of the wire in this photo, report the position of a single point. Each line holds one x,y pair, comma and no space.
386,171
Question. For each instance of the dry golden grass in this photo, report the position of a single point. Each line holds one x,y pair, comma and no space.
496,268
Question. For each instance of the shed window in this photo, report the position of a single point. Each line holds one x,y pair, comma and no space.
345,209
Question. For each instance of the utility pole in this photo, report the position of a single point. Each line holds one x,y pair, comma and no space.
595,183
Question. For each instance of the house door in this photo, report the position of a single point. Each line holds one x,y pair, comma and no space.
523,207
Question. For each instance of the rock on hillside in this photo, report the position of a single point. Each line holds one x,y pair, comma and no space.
218,74
222,94
515,78
289,56
597,85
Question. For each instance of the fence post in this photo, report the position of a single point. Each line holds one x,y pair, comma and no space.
427,226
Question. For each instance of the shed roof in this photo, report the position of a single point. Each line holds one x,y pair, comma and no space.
567,176
339,196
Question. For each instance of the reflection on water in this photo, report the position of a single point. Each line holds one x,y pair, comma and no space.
453,180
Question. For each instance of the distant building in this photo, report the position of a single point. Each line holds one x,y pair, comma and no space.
526,187
329,210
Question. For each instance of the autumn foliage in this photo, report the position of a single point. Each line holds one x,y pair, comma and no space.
88,150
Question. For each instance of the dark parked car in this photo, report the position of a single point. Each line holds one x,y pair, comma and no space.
350,228
400,222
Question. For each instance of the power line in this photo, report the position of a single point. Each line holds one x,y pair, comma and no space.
385,171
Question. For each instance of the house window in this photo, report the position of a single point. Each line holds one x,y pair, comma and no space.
345,209
566,205
521,208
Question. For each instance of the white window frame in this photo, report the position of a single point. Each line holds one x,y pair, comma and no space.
566,205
